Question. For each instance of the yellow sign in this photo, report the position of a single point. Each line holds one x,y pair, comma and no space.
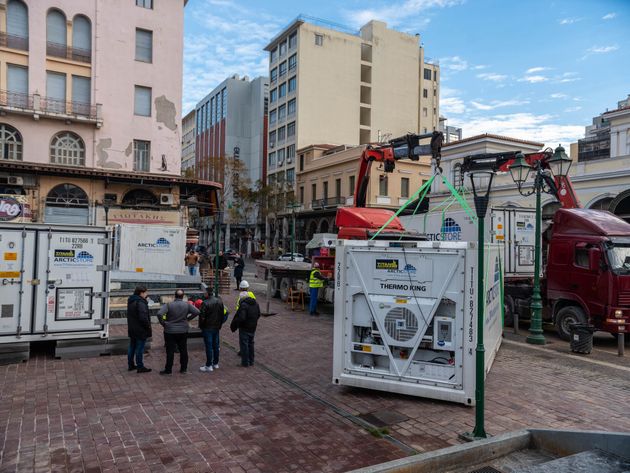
401,301
139,270
367,348
10,256
9,274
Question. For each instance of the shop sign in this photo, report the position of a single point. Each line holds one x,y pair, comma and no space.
10,209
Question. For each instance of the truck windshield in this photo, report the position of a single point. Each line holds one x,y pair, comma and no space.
619,256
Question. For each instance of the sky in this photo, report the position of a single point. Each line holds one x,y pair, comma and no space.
538,69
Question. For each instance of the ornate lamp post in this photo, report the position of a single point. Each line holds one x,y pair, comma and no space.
559,165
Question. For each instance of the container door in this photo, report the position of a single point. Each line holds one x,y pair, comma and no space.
69,298
17,266
523,225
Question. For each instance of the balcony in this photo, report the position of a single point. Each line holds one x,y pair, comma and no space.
68,52
327,203
13,42
38,107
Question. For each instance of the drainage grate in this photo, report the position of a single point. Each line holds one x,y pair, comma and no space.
486,469
383,418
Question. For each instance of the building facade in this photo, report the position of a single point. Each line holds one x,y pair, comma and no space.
90,105
188,143
329,84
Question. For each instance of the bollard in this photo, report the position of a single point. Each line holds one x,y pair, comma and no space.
621,335
516,322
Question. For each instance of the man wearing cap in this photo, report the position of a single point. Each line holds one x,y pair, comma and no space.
315,282
174,317
245,321
211,318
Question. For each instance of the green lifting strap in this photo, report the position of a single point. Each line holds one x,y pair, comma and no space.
459,198
424,189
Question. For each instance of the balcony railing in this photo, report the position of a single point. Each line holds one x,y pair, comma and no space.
68,52
327,202
14,42
46,106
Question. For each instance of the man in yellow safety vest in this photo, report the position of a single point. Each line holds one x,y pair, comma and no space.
315,282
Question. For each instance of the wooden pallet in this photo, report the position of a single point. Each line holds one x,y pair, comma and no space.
225,279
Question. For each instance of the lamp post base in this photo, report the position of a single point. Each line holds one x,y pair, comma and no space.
536,339
471,437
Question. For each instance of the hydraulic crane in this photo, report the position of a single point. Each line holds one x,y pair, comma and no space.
359,222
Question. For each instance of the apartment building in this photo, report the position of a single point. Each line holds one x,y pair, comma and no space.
188,143
329,84
90,125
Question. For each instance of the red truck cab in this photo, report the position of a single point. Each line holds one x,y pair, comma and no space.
588,270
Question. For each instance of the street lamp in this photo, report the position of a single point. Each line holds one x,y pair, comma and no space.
558,165
293,206
217,237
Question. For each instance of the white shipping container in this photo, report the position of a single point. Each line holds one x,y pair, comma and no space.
406,317
512,228
150,249
53,282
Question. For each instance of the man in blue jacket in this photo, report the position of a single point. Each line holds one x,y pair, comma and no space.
138,328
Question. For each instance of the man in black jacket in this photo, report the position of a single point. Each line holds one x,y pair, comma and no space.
139,328
212,314
245,321
239,266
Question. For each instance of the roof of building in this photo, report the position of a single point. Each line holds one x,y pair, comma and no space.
496,137
325,146
617,110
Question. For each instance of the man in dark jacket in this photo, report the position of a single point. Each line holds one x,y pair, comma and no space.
174,317
223,263
239,266
211,317
138,328
245,321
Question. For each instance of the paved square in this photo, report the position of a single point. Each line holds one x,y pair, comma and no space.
282,415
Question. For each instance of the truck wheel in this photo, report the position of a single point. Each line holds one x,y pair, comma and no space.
285,283
567,316
508,309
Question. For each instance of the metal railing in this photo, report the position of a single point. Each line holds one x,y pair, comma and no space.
68,52
68,108
13,41
16,100
328,202
37,104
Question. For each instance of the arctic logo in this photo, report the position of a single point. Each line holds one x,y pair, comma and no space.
160,244
411,269
71,258
84,258
450,231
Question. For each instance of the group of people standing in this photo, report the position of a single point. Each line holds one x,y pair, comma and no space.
175,317
194,260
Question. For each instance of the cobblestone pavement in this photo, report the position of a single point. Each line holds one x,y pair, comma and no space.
282,415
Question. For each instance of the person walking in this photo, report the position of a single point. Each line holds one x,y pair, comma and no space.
174,317
223,263
239,266
138,328
191,259
211,318
315,282
245,321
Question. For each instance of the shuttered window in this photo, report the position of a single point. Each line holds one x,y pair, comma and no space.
81,33
56,27
81,95
142,101
56,86
144,45
17,19
17,79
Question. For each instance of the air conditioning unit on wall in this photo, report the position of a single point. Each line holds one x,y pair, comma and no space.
15,180
167,199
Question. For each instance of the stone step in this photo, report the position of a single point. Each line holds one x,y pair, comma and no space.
590,461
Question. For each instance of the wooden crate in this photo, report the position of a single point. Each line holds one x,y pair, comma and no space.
225,279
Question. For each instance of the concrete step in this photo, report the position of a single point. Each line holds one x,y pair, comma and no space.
590,461
14,352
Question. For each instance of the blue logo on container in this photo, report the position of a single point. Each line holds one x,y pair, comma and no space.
162,243
450,231
411,269
83,257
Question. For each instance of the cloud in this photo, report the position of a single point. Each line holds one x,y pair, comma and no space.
534,79
573,109
480,66
602,49
531,70
454,63
450,102
492,76
394,13
497,104
609,16
559,96
569,21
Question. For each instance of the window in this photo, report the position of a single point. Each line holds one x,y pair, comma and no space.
425,93
217,108
55,92
351,182
290,153
435,75
434,92
82,35
145,3
141,155
213,111
326,190
293,62
291,129
283,49
273,55
301,194
67,149
425,112
281,157
404,187
301,162
282,112
281,134
581,257
291,108
140,198
81,95
337,187
56,31
17,86
273,95
224,107
144,45
293,40
427,74
314,191
273,115
283,68
457,177
67,195
10,143
282,90
142,101
17,25
434,111
274,74
292,84
382,185
290,175
272,160
319,39
272,139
